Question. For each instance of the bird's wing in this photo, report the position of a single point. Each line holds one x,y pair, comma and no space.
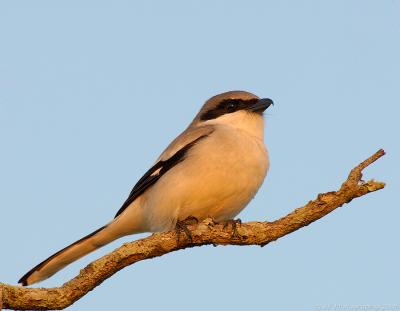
172,155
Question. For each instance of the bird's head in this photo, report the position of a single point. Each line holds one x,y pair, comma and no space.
239,109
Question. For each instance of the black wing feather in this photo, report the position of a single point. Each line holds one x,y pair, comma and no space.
149,179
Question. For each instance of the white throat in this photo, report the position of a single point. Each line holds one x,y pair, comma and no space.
251,123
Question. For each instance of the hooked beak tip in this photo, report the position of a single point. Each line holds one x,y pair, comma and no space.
261,105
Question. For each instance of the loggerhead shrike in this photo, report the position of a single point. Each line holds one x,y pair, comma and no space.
213,169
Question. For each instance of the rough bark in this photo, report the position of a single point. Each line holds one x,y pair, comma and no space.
204,233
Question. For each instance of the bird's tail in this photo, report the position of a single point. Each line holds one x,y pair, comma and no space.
73,252
66,256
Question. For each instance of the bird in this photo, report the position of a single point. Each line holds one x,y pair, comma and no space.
212,169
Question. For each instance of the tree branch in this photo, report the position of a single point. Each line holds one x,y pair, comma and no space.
204,233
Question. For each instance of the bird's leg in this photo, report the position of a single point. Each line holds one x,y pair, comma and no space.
182,226
234,223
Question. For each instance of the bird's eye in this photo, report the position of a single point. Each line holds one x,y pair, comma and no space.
231,106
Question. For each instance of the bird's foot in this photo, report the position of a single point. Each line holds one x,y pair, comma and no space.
182,226
234,223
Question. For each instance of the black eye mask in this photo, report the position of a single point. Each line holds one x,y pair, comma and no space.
227,106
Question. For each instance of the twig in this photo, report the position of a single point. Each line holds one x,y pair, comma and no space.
205,233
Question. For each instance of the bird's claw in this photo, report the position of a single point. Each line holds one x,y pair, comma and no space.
182,226
234,223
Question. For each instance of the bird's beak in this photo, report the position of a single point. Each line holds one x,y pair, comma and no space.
261,105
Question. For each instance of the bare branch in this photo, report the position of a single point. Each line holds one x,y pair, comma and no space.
205,233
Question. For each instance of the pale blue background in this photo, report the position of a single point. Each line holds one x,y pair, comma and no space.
92,91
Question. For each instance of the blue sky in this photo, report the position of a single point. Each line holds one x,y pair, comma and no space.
92,91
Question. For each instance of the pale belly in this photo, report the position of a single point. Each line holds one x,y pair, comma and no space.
218,184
